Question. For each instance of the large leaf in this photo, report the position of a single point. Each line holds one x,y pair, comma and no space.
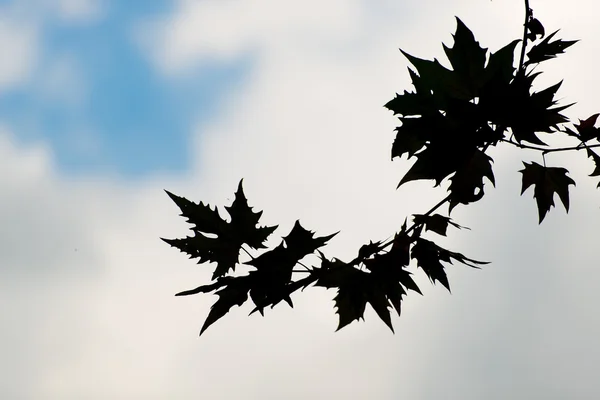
467,58
216,240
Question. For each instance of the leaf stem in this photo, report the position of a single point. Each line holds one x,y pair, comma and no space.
528,13
431,211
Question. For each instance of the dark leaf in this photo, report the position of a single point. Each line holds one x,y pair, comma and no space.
272,280
436,223
302,242
466,185
500,64
536,28
525,113
226,238
586,128
439,79
437,161
234,294
428,259
467,58
545,50
596,159
367,250
546,182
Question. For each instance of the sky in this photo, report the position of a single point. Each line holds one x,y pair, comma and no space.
104,104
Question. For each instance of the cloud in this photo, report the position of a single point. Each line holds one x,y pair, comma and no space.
79,10
19,46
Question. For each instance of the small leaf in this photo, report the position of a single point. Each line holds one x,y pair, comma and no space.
367,250
436,223
586,128
596,159
234,294
535,28
546,182
428,259
302,241
545,50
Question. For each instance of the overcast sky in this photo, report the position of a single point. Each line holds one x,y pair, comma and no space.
105,104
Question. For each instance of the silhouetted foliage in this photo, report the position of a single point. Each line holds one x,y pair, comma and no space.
447,124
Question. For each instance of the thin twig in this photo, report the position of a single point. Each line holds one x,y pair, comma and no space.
528,13
308,269
549,150
246,251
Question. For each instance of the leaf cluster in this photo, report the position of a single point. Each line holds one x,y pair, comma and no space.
447,124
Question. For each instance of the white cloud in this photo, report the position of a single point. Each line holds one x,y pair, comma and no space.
75,11
18,46
80,9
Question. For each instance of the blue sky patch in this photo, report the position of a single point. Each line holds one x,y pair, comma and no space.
131,120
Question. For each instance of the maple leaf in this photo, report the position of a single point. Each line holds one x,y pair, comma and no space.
500,63
273,273
367,250
429,257
546,181
513,106
467,58
545,50
226,238
438,160
586,129
356,288
535,28
436,223
467,183
596,159
414,133
302,242
440,80
420,102
233,291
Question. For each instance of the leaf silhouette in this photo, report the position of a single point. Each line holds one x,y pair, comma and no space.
467,58
216,240
235,293
596,159
535,28
467,184
273,275
429,258
586,128
546,181
545,50
436,223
